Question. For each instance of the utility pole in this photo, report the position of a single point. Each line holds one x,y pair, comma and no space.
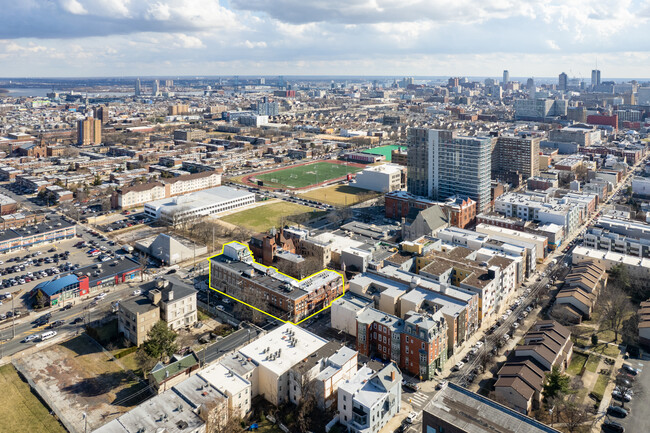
13,314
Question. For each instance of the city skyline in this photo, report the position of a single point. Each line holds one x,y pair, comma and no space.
208,37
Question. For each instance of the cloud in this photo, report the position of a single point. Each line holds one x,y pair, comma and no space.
88,18
128,37
74,7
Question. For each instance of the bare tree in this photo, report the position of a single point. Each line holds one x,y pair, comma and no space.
255,298
70,152
143,261
625,388
306,405
220,419
614,307
574,414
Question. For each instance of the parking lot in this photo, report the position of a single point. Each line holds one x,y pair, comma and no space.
636,420
22,270
124,220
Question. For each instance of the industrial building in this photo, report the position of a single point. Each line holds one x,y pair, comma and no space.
198,204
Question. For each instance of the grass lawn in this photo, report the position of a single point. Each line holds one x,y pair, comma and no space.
601,384
130,363
606,335
20,410
610,350
340,195
592,363
577,362
305,175
262,218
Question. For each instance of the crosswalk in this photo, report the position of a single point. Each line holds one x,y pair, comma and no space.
418,400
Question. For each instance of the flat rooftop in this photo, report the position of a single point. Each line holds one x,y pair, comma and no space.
281,349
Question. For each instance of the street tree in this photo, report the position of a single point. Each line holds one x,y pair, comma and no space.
574,414
160,342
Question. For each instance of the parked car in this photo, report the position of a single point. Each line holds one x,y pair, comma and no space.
440,384
618,395
631,370
459,365
136,292
617,411
411,417
612,426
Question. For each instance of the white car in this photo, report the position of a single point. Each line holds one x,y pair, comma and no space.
459,365
220,308
136,292
411,417
479,344
47,335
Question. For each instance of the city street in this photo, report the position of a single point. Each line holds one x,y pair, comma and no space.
24,326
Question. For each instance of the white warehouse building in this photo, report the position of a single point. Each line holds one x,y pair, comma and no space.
382,178
198,204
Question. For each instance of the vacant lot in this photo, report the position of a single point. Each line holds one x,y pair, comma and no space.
340,195
77,376
263,218
305,175
20,410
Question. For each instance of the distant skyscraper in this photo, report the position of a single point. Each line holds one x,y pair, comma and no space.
513,155
595,77
268,108
169,83
101,113
442,164
89,131
137,87
506,77
530,85
563,81
155,89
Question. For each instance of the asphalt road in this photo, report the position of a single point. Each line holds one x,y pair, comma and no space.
231,342
24,326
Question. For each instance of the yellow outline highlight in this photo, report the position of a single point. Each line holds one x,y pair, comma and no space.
276,269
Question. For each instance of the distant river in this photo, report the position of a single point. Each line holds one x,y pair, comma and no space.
28,91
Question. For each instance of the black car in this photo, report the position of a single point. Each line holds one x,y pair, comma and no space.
42,321
67,307
77,320
616,411
56,324
612,426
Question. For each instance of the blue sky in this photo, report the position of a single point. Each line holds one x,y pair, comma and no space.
337,37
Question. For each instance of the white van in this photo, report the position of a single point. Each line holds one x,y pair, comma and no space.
47,335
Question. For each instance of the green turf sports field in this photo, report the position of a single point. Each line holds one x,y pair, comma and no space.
305,175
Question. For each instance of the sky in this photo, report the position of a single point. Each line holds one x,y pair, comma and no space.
66,38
